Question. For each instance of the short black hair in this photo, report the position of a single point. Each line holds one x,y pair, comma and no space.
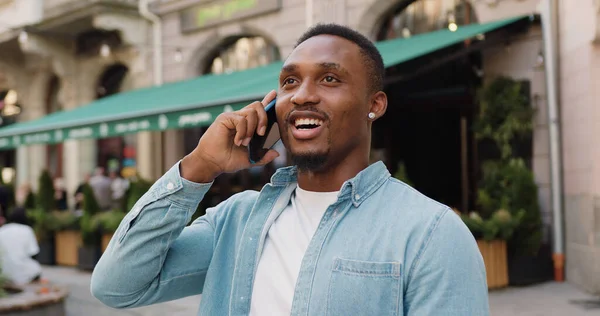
373,59
18,216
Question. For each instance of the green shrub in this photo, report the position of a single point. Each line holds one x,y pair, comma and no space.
506,117
47,223
501,225
45,197
136,190
29,201
89,233
107,222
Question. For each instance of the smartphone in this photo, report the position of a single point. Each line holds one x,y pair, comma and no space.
260,145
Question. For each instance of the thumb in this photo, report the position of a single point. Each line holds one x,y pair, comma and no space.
268,157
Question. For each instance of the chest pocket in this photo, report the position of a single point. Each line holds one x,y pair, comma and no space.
364,288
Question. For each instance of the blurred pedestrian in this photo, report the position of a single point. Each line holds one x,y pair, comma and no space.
100,184
118,187
79,192
60,194
21,195
18,245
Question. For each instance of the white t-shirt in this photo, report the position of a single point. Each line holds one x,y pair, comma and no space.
17,245
284,248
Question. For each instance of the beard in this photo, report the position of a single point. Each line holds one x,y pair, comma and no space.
309,162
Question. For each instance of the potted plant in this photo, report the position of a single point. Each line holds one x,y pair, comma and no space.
505,127
48,225
529,259
67,236
61,224
89,250
38,209
491,235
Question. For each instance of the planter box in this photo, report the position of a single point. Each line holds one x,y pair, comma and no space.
105,240
531,269
47,255
67,244
496,268
88,256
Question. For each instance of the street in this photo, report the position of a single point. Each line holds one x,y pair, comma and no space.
546,299
81,302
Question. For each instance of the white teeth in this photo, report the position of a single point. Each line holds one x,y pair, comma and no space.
307,121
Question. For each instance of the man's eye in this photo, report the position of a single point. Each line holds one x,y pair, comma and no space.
289,81
330,79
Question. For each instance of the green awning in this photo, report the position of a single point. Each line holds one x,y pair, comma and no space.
198,101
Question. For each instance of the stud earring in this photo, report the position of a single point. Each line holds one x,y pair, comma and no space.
371,115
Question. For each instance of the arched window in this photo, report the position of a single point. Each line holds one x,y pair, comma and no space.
240,53
423,16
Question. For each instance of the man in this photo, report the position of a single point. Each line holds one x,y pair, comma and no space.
18,245
329,236
100,184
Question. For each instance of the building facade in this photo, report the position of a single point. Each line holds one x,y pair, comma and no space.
202,37
59,55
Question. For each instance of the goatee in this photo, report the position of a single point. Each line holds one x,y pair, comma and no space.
309,161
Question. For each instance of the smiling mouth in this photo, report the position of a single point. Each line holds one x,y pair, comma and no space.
307,123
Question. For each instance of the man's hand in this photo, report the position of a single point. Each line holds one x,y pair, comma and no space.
223,147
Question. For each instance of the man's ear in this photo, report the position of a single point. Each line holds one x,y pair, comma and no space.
378,105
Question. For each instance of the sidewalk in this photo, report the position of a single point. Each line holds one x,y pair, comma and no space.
82,303
548,299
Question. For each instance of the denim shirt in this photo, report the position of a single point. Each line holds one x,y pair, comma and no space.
381,249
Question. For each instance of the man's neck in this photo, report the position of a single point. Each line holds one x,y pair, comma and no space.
331,178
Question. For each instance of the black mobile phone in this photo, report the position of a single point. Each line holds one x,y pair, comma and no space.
259,145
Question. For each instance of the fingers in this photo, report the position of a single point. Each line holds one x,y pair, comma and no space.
251,123
249,120
240,124
269,97
261,116
251,113
267,158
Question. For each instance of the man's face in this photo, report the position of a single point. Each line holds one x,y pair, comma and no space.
323,101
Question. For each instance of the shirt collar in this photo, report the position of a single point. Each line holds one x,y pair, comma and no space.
357,188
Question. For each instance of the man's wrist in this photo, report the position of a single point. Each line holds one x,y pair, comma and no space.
195,170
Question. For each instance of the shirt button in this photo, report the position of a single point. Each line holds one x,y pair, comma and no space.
170,186
357,197
242,298
250,238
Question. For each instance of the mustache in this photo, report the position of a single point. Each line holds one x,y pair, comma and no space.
309,108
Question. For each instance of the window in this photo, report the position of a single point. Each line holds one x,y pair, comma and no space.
243,53
423,16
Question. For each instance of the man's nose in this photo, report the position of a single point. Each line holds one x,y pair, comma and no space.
305,94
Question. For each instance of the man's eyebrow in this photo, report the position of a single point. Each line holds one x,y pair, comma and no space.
289,68
324,66
333,66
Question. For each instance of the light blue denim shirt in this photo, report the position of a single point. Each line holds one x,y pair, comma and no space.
381,249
